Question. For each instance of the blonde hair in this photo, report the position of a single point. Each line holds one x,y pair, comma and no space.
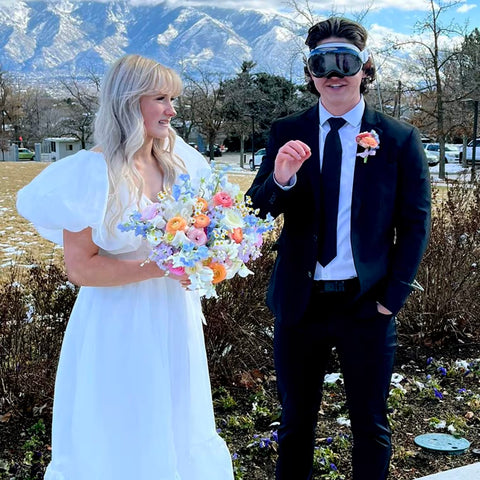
120,129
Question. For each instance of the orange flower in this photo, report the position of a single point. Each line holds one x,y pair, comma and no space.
201,221
367,140
236,235
203,203
219,272
175,224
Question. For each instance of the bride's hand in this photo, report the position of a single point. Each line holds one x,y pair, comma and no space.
183,279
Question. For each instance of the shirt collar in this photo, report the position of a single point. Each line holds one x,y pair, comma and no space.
353,117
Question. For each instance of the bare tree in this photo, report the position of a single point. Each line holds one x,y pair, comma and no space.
79,106
434,57
206,109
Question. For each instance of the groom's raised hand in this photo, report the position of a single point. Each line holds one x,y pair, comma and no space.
289,159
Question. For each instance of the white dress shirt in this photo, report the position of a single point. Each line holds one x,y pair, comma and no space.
342,266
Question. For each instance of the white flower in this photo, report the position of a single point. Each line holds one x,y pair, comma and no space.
154,237
397,378
441,424
233,219
333,378
451,429
179,239
343,421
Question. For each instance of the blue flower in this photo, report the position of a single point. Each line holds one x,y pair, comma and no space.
442,370
264,443
275,436
437,393
333,467
429,360
176,192
125,227
141,230
235,456
329,440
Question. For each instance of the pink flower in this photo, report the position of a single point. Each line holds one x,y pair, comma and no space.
150,212
259,241
197,236
223,199
179,271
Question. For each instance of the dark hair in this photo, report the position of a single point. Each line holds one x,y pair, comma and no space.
341,28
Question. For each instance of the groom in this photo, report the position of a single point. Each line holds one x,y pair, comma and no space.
356,220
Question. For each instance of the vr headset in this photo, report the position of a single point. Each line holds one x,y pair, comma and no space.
336,59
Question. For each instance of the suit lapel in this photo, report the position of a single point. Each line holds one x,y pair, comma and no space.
310,134
370,122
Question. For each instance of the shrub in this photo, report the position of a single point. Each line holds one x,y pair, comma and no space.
239,328
34,308
448,308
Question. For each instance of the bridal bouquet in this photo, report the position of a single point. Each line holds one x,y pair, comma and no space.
202,228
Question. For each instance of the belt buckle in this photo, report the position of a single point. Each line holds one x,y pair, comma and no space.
334,286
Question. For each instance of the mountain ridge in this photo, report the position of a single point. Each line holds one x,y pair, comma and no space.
52,39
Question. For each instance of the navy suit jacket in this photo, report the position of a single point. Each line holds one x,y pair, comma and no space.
390,218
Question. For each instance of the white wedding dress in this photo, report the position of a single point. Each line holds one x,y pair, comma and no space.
132,394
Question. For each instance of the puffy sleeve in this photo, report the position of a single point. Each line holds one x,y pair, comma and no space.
70,194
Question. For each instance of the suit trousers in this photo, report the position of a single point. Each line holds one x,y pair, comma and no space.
365,342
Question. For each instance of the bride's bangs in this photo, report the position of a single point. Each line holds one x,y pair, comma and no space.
166,81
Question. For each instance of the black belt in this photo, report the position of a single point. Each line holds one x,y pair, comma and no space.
336,286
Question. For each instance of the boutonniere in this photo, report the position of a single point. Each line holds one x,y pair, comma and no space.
370,142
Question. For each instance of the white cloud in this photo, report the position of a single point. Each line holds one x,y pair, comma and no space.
466,8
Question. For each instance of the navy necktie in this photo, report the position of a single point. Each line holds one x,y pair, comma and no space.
330,190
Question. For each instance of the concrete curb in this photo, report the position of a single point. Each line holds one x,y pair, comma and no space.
470,472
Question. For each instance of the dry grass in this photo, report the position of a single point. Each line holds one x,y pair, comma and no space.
18,237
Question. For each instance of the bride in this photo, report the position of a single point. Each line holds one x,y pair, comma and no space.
132,393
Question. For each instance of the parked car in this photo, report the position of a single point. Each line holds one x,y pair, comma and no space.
452,153
257,159
469,152
432,159
216,151
25,154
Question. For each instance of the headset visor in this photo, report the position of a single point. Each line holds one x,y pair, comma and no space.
343,60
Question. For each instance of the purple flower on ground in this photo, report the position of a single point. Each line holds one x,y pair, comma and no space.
429,360
442,371
437,393
329,440
235,456
264,443
333,467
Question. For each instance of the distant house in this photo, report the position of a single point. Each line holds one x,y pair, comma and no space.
55,148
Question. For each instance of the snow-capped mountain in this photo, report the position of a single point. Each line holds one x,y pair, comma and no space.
52,39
